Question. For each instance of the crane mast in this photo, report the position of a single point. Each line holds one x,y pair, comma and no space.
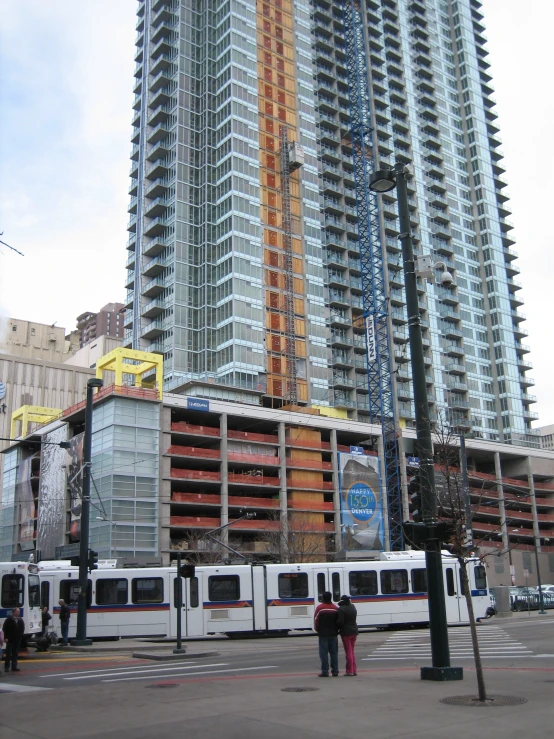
375,299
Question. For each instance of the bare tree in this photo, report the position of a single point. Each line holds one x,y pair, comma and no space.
453,511
197,549
301,540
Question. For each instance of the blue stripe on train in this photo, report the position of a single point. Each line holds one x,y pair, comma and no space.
5,612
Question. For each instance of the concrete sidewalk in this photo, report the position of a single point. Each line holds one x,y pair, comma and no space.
380,703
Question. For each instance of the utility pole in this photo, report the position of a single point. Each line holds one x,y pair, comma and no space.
81,638
430,529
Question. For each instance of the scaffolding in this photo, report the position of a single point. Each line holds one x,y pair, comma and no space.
291,392
374,287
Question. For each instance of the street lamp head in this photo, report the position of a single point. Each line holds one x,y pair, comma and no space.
95,382
382,181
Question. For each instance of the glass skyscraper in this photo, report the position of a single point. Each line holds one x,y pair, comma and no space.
246,275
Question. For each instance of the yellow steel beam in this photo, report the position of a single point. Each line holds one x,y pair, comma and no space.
32,414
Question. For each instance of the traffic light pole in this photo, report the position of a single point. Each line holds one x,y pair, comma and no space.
179,606
441,669
81,638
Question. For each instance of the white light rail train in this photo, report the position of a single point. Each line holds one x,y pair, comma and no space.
20,588
258,599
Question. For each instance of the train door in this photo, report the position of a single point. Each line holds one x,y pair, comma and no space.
452,593
193,606
327,579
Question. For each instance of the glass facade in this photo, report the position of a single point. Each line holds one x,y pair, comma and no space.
9,514
125,494
208,286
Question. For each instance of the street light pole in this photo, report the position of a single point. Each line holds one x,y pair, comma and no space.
383,181
81,638
542,612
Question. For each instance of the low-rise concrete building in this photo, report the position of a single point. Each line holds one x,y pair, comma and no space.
168,470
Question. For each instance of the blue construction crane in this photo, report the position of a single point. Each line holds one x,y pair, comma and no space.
379,363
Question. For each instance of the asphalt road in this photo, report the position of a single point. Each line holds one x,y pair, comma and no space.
521,643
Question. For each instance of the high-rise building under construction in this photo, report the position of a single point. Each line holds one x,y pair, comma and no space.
244,263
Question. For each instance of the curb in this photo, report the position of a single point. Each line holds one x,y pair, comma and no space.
170,656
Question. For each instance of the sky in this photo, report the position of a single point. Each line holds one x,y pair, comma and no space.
66,77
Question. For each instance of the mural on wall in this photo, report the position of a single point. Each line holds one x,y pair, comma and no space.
52,495
361,502
74,462
26,503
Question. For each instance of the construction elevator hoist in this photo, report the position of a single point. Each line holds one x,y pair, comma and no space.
375,302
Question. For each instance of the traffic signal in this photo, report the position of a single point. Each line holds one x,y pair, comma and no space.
187,571
415,533
414,489
445,530
92,561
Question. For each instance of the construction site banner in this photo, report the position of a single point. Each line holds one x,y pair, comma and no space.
25,501
75,485
52,495
361,502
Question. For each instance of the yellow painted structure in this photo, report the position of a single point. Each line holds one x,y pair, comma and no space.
31,414
325,410
123,361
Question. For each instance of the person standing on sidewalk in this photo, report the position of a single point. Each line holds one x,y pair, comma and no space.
65,614
46,618
348,630
14,628
325,624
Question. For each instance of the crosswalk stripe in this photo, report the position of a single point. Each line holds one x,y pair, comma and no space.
190,674
144,671
97,673
12,688
493,644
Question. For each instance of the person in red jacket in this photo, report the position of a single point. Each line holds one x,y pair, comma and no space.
325,623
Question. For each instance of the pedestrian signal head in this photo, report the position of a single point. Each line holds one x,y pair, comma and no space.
187,571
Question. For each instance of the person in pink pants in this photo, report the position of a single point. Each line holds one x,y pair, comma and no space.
348,630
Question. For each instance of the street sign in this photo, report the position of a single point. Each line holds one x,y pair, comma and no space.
68,551
413,461
198,404
525,573
356,450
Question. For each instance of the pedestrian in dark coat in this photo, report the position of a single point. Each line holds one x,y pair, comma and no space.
348,630
46,618
14,629
325,623
65,614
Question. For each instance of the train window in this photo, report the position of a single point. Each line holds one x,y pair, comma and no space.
363,583
419,581
462,589
335,580
480,578
320,585
224,587
394,581
147,589
12,591
194,599
111,591
450,581
34,591
45,594
293,585
69,592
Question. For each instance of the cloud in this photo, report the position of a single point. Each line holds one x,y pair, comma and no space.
66,96
520,57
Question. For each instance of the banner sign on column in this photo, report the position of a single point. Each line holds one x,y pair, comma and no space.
361,502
